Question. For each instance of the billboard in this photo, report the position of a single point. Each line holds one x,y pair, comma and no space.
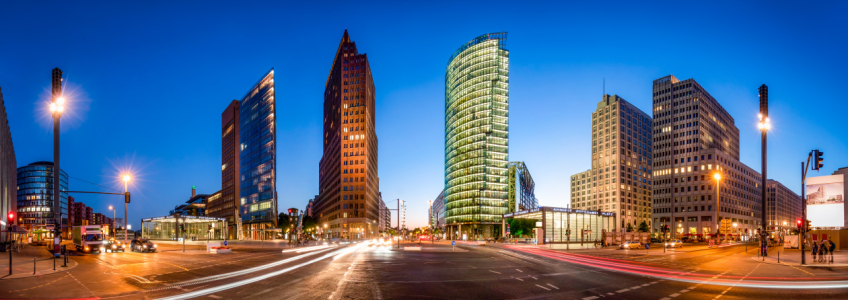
826,201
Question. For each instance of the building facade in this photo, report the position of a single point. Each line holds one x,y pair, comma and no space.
349,184
477,137
522,188
226,204
695,139
35,195
258,160
79,212
8,174
385,216
194,206
784,207
620,180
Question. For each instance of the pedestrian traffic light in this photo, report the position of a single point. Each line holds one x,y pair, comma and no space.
11,218
819,159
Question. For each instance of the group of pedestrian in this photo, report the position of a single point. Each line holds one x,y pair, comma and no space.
820,250
600,244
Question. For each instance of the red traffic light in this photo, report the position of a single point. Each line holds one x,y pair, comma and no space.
11,216
799,222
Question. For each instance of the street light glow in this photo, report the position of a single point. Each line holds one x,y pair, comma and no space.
126,178
110,207
717,176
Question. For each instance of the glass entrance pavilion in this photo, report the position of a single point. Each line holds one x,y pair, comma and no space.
197,227
563,225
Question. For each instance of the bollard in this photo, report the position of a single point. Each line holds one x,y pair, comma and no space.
778,256
33,265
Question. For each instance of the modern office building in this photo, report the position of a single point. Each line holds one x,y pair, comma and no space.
620,179
194,206
258,160
349,185
35,195
436,215
477,137
784,207
226,204
522,188
694,139
8,163
385,216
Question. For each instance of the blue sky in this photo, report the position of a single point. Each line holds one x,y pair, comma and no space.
149,81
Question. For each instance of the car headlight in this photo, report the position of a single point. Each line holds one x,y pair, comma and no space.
154,246
102,249
113,246
145,246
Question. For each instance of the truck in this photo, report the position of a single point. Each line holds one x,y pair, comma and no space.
89,238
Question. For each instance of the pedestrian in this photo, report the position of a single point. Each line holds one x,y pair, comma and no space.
821,250
815,250
824,247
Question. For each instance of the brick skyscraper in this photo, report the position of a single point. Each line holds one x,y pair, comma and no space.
348,201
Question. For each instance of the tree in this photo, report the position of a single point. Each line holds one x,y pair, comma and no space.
629,227
284,222
643,227
309,222
391,231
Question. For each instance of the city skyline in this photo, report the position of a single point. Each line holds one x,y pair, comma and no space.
555,83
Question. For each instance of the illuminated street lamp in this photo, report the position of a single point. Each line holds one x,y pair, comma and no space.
56,107
717,177
764,126
126,179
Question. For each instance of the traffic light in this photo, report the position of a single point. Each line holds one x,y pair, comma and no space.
11,218
799,225
819,159
127,197
182,227
809,225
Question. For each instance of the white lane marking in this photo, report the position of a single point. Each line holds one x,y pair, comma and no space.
543,287
635,287
519,270
622,291
610,293
519,279
257,278
647,284
215,296
494,272
551,285
666,298
683,291
674,295
534,277
590,298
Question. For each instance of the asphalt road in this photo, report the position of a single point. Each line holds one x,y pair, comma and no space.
360,271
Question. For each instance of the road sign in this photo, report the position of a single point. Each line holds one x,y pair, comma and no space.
453,243
647,246
225,243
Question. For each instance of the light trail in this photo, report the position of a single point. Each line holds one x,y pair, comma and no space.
304,249
224,287
246,271
641,269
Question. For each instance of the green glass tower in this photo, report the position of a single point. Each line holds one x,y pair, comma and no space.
477,137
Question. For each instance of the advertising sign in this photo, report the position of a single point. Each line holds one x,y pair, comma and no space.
826,201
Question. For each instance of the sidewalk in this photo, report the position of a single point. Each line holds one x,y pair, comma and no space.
792,257
22,263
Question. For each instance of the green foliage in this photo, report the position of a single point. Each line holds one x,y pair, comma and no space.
309,222
629,227
284,222
521,227
391,231
643,227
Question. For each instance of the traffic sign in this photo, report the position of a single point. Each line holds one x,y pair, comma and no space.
225,243
647,246
453,243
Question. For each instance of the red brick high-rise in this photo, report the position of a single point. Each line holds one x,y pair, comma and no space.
348,202
225,203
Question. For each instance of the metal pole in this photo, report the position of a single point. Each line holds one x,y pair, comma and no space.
398,223
57,170
126,221
803,232
11,244
718,208
763,93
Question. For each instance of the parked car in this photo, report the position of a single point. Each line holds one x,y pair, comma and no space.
655,240
142,245
673,244
631,245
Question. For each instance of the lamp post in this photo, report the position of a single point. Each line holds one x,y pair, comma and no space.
56,107
113,219
764,126
717,177
126,179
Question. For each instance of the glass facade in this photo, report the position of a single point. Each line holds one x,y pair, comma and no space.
477,133
258,158
35,195
563,225
195,227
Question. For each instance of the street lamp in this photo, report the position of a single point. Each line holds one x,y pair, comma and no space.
56,107
764,126
126,179
113,219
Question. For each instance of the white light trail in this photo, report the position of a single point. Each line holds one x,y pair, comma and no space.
261,277
246,271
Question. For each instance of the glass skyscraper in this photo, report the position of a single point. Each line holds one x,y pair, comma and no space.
35,195
477,137
258,159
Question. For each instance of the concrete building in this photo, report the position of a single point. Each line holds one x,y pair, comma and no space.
844,172
620,180
477,137
35,195
8,174
694,139
784,207
385,216
89,215
79,213
258,160
226,205
349,185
